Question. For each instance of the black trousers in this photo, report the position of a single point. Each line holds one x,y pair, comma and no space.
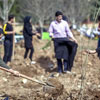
72,48
8,48
60,64
65,49
31,52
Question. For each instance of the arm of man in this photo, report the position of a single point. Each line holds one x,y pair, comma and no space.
10,32
91,51
6,32
51,30
68,31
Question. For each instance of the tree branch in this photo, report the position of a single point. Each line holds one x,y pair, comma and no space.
10,5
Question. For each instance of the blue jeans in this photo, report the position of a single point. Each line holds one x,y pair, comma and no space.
8,48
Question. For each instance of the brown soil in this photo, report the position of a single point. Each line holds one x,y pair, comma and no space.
84,82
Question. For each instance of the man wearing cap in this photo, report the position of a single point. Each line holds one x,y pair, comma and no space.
60,33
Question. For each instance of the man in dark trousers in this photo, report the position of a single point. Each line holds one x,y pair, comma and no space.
60,32
8,42
2,64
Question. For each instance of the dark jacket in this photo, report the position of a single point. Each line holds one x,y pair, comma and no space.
8,27
27,32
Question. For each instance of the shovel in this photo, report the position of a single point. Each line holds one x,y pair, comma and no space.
29,78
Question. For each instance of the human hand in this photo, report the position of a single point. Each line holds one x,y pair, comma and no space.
90,51
75,41
51,35
13,32
38,34
0,36
16,73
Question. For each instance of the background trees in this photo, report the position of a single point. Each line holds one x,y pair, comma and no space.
43,10
5,8
76,10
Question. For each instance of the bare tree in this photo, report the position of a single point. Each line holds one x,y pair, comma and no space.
42,9
7,5
76,10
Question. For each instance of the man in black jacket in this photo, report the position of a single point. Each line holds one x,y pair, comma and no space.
8,42
2,64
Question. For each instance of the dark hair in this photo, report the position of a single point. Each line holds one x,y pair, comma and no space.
58,13
99,18
27,19
65,18
10,17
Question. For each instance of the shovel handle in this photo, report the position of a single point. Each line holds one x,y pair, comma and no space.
32,79
24,76
5,69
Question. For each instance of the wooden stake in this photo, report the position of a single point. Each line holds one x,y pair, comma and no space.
13,42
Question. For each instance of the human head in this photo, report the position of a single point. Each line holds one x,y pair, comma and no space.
27,19
11,18
58,16
65,18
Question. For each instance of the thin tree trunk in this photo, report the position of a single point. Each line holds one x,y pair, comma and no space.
5,7
41,26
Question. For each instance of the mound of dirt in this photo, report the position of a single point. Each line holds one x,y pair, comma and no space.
85,75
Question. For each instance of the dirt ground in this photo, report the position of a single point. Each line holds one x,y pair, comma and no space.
82,84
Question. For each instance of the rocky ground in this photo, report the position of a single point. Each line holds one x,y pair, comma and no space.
82,84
